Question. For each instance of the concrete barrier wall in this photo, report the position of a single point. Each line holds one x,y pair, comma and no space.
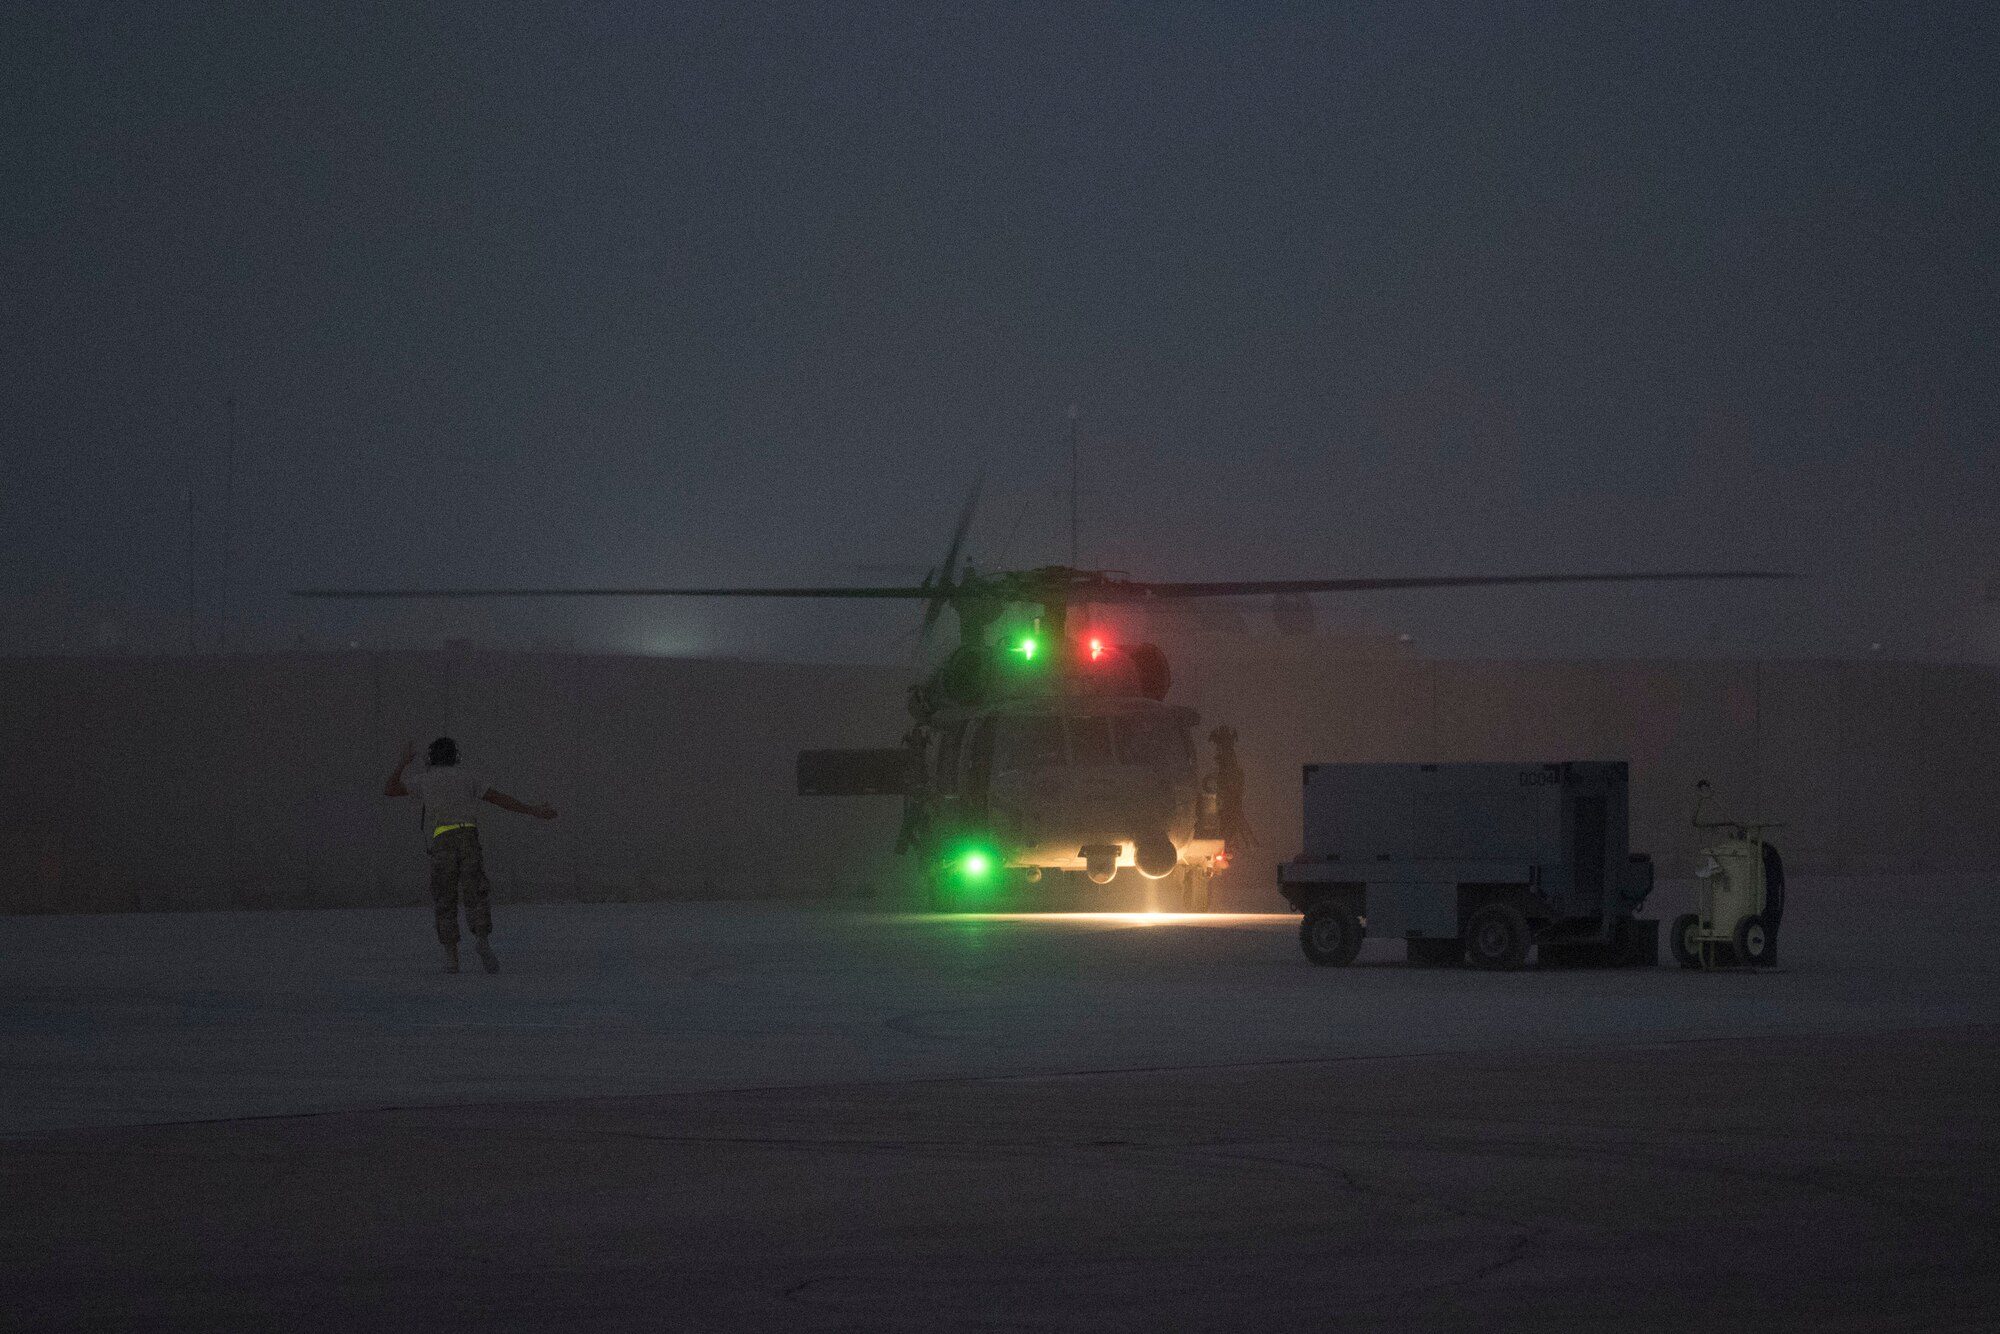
256,781
1874,767
244,781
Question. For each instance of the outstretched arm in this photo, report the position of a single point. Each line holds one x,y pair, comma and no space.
507,803
394,787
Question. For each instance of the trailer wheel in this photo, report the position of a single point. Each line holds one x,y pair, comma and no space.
1774,900
1753,942
1330,934
1497,937
1687,950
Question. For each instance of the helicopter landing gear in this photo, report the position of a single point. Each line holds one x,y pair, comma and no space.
1194,888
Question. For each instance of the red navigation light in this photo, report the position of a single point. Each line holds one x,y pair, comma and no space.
1096,649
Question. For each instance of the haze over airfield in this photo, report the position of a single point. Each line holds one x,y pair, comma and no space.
717,293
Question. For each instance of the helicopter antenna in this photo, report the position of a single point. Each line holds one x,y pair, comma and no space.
1072,487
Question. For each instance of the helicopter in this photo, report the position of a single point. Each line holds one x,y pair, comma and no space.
1039,742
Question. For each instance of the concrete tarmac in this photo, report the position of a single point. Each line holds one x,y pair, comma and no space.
737,1116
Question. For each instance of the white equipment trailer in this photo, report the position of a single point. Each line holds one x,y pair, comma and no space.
1472,862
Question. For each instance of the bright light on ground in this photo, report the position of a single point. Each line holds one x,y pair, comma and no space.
1122,918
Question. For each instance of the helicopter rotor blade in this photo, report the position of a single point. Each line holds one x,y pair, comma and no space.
1097,588
947,573
1121,590
962,527
913,594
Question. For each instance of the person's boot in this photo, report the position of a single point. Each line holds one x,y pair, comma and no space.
486,955
451,957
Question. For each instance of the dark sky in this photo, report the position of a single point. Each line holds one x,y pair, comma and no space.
682,292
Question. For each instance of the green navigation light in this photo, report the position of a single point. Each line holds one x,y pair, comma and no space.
1026,648
972,867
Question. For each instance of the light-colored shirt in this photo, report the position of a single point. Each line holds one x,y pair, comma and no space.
450,794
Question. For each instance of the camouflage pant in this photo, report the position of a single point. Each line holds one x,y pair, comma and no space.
456,868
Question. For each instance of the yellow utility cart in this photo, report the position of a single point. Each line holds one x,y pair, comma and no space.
1739,898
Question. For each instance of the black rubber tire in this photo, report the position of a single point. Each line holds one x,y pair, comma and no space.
1685,952
1435,952
1497,938
1753,942
1774,901
1330,934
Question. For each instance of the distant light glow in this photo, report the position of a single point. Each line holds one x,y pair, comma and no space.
977,864
1026,648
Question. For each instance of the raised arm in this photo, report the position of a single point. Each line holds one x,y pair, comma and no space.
507,803
394,787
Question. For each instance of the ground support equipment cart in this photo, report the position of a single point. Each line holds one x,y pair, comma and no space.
1473,862
1739,898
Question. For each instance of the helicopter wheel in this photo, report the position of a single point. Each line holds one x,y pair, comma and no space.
1194,889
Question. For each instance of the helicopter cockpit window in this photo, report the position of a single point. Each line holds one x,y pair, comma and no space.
1033,742
1152,742
1090,741
951,738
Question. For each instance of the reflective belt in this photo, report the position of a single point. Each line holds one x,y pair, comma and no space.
447,828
